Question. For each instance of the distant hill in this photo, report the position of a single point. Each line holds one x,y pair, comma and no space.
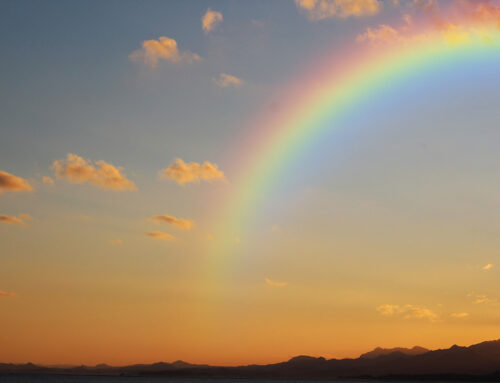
477,362
386,351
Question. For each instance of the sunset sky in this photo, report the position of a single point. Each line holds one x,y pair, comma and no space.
235,182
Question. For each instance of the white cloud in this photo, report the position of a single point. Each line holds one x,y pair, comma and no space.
226,80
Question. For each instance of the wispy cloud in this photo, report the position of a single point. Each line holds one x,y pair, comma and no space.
11,220
325,9
116,242
210,20
270,282
6,294
160,235
183,173
47,180
226,81
489,266
13,183
482,299
184,224
78,170
407,312
164,48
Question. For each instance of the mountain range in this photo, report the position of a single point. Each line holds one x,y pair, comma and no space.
479,361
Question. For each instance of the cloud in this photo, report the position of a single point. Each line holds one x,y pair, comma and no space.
115,242
12,183
481,299
489,266
161,235
226,80
382,34
6,294
184,173
456,24
237,240
459,315
407,312
324,9
11,220
210,20
78,170
48,180
270,282
184,224
164,48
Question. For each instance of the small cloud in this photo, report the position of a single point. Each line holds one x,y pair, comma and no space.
6,294
10,220
185,224
489,266
183,173
226,80
115,242
161,235
237,240
209,237
407,312
13,183
325,9
270,282
47,180
481,299
210,20
164,48
78,170
382,34
459,315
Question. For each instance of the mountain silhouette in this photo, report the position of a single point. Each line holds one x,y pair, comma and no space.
477,362
385,351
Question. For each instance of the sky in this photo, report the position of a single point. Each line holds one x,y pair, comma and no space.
129,134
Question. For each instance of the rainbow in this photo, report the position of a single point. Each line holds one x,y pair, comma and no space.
319,102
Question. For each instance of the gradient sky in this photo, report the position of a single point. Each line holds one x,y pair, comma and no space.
386,233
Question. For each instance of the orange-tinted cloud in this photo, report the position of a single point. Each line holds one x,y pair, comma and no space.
226,81
11,220
115,242
456,24
185,224
324,9
13,183
489,266
210,20
270,282
183,173
161,235
164,48
6,294
47,180
78,170
407,312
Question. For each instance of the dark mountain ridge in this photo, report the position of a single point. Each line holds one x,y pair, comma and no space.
479,360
